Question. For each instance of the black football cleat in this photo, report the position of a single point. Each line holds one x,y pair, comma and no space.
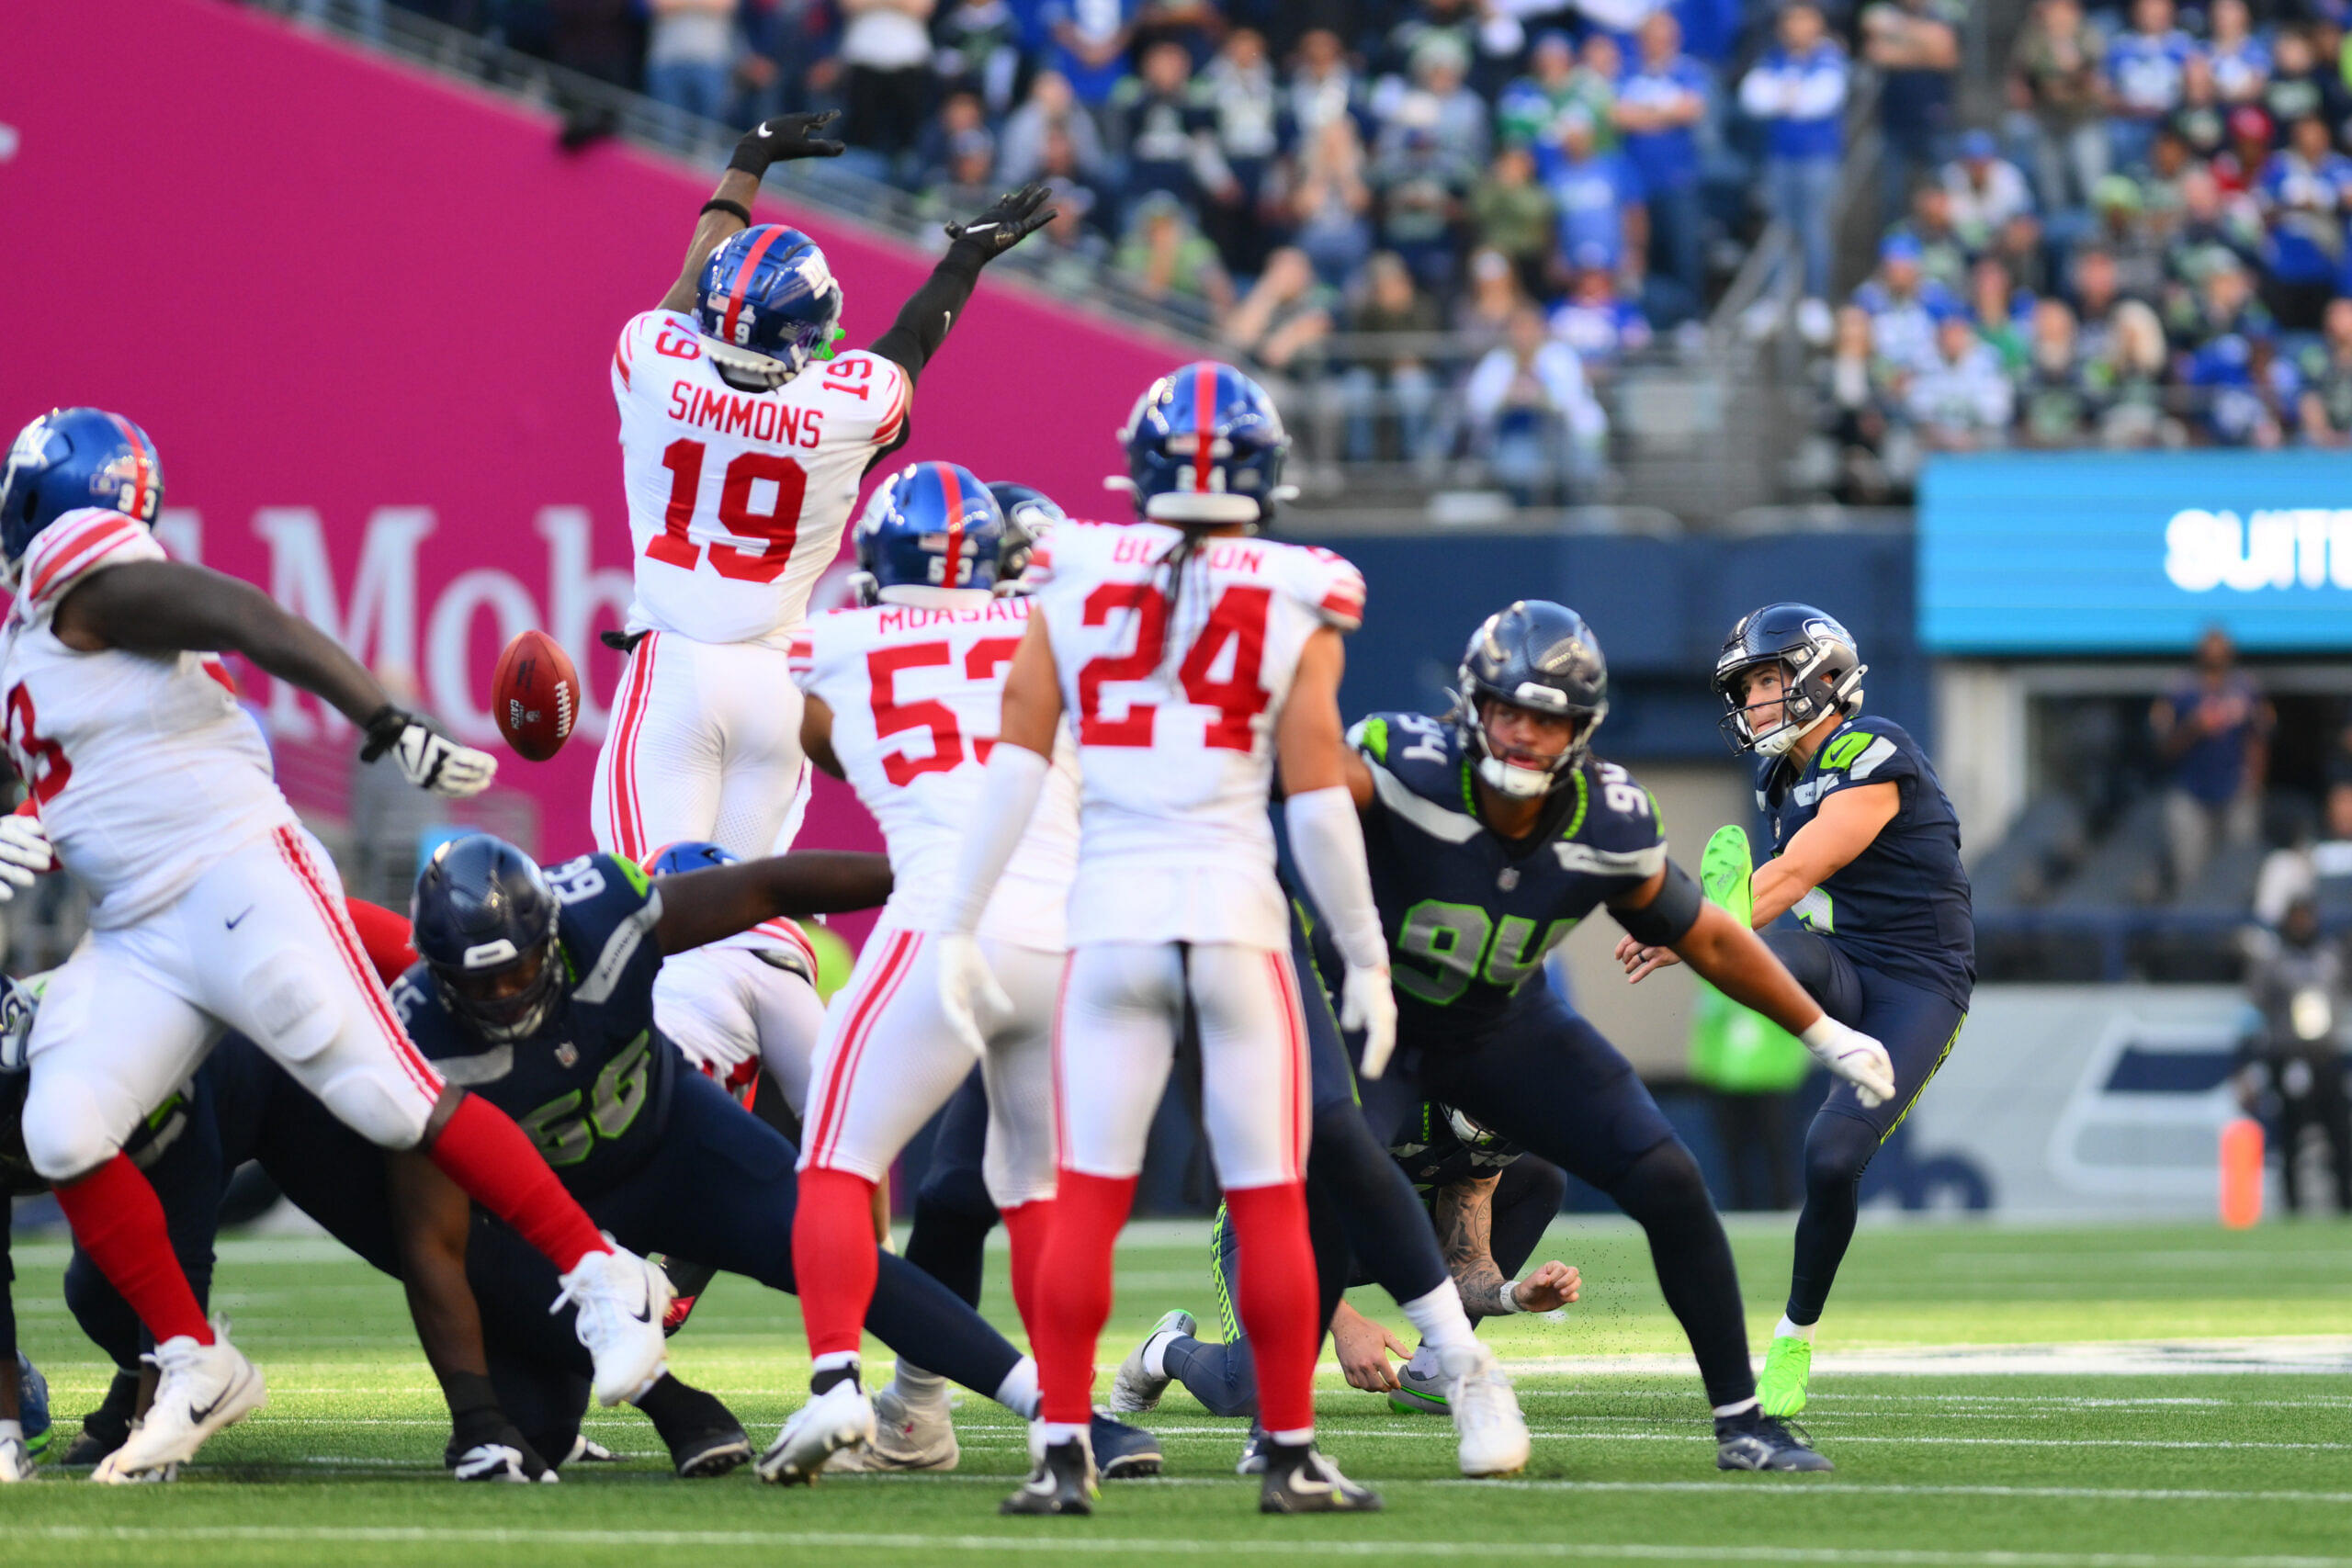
108,1427
1253,1453
703,1436
1300,1480
1122,1452
1753,1441
1061,1483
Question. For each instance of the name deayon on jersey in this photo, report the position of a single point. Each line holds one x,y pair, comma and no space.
1471,914
592,1085
1901,906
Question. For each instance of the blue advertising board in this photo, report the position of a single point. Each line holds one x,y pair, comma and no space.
2066,553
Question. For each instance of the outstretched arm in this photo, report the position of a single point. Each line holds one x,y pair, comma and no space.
728,211
701,906
924,319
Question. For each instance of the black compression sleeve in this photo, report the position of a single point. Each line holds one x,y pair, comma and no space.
1664,920
924,319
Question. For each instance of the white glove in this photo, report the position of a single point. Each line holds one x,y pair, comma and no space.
25,853
1367,1003
970,999
427,759
1854,1056
16,1460
496,1463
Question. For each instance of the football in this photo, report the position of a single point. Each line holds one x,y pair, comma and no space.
536,696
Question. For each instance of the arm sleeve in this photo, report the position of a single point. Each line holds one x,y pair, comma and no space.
1009,792
924,319
385,935
1327,843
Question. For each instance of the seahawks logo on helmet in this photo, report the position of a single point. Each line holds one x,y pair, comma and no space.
1822,670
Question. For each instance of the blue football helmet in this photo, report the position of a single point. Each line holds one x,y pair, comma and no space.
768,304
1030,516
1541,656
1206,445
68,458
931,536
687,855
482,911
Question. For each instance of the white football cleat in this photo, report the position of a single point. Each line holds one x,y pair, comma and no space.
15,1459
1493,1433
203,1389
906,1437
1134,1389
621,1298
839,1418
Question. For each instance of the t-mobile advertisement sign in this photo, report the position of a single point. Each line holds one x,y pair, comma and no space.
368,317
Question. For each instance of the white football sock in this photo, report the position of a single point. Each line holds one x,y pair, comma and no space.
1155,1351
1424,1363
1742,1408
1787,1330
1440,1317
918,1387
1018,1391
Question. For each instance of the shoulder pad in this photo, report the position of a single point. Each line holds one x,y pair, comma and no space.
1616,829
76,545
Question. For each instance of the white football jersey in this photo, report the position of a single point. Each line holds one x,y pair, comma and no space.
917,697
1173,682
144,767
737,499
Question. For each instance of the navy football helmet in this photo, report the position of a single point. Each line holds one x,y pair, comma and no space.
482,913
1821,666
931,536
1541,656
68,458
1030,516
687,855
768,305
1206,445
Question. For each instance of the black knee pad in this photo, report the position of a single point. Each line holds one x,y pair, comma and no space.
1838,1149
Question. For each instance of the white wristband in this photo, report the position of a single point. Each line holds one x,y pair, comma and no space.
1510,1297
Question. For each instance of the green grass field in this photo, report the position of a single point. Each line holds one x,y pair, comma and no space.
1972,1467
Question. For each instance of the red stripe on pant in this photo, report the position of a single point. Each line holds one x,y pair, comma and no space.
628,817
337,920
834,1259
841,1069
1293,1053
1276,1298
1088,1213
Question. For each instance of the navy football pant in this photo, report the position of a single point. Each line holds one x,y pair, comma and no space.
1918,1027
1547,1080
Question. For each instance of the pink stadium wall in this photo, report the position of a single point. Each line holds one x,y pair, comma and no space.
367,317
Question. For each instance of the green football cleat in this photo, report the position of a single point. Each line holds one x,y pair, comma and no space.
1788,1366
1726,868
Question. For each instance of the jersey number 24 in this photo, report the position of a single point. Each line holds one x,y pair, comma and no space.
1237,620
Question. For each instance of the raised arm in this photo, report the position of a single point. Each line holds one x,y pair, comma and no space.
701,906
778,140
924,319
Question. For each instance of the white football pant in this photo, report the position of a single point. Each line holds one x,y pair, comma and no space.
705,745
889,1062
1122,1010
728,1005
260,945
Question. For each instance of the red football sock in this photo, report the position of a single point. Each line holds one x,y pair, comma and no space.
1277,1298
1027,1226
834,1260
120,1222
1088,1213
482,1151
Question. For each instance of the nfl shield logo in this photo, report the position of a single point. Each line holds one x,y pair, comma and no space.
568,1053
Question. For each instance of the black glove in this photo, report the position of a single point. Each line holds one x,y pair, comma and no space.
783,139
1016,215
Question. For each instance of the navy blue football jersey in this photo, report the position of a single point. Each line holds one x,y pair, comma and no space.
592,1087
1443,1146
1901,906
1471,914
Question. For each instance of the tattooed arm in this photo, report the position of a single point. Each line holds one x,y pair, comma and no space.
1463,1215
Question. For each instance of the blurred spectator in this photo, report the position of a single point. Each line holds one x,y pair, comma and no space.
1383,379
1065,252
2305,194
1594,191
1163,130
2292,1063
1512,214
960,116
970,183
2055,80
1749,1067
1660,106
2096,295
1798,90
1915,48
1283,321
1532,414
1904,307
2202,121
2304,83
978,52
1525,111
2144,71
1960,401
1440,102
1328,209
2001,314
1592,319
2018,246
1856,411
2240,165
2054,391
2245,392
1251,126
689,55
1423,187
1049,108
1944,250
2326,413
2139,262
1322,85
1164,256
1986,190
886,54
1194,25
2212,729
1482,317
2127,372
2241,62
1089,44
